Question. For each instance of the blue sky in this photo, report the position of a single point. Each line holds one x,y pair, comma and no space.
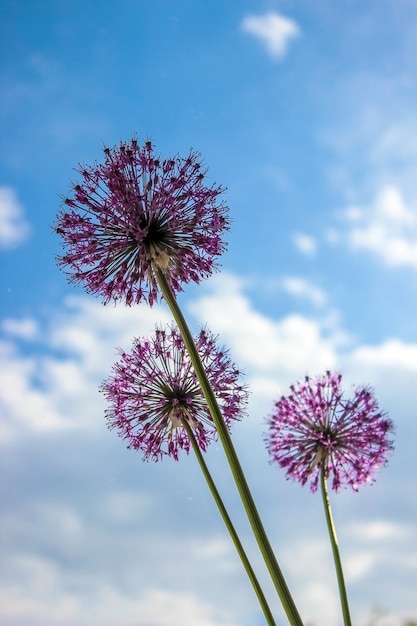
306,112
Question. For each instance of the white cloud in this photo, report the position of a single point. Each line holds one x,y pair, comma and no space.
388,229
22,403
378,530
358,566
285,348
305,243
169,608
45,602
391,353
14,228
304,289
24,328
275,32
390,367
57,386
308,556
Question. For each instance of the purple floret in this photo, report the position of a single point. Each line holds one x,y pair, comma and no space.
154,388
135,214
315,427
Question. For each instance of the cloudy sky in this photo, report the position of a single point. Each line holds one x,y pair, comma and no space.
306,112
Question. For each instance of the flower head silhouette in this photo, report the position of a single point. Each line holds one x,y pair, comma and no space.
316,428
154,389
135,214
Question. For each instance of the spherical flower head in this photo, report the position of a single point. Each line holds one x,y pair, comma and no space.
316,428
154,389
135,214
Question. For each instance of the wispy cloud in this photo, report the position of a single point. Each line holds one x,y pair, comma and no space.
14,228
371,124
304,289
305,243
296,286
26,328
275,32
387,229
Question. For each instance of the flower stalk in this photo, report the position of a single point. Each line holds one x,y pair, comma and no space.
335,548
231,455
229,525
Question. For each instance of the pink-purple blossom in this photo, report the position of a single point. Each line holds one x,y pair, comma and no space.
136,213
316,428
154,388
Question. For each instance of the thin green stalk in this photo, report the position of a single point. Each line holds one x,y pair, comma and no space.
335,549
234,463
229,525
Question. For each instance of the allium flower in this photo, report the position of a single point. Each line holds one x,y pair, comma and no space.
136,213
155,388
315,427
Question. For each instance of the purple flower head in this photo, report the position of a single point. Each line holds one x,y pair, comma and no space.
154,389
315,427
136,213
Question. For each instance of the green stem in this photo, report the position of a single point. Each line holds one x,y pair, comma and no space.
229,525
335,549
236,469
